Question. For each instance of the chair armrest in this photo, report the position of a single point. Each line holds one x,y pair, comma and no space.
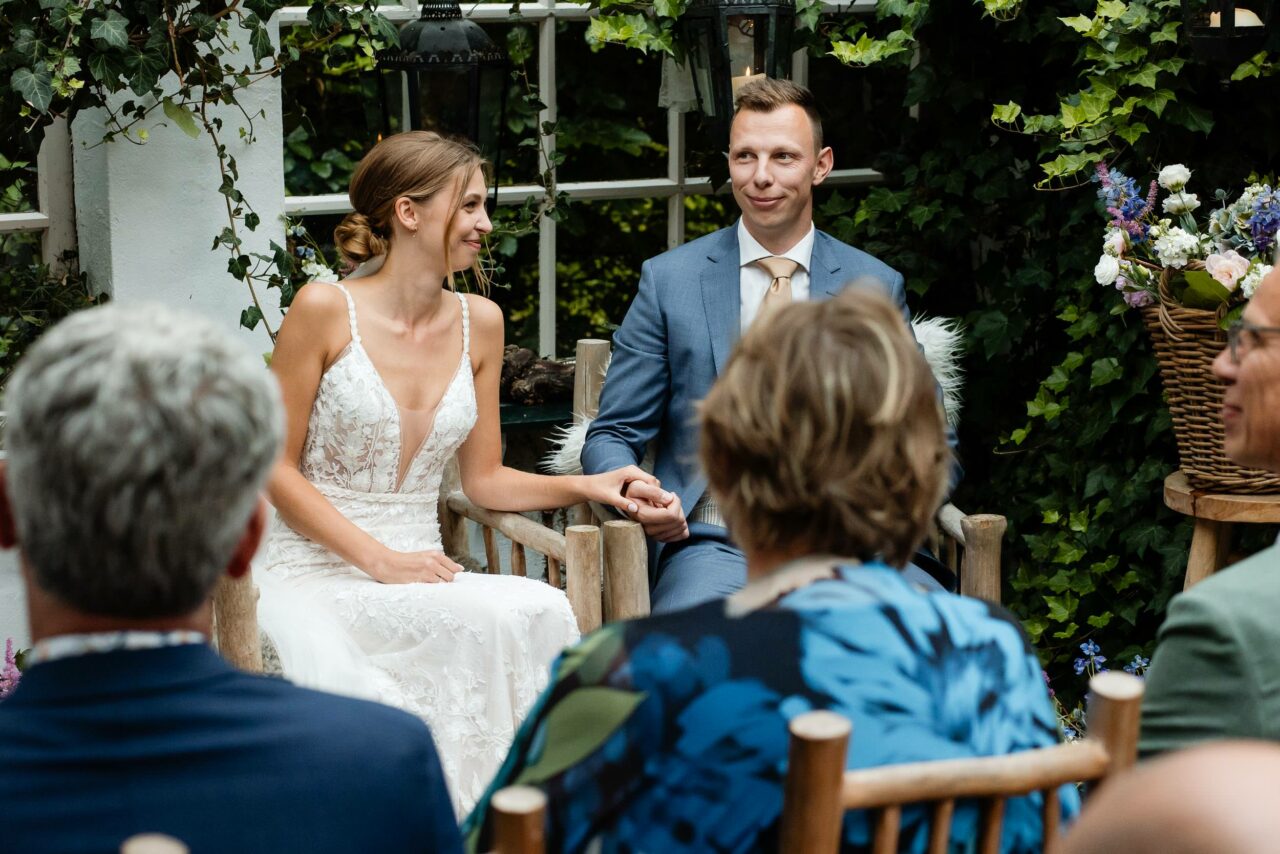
515,527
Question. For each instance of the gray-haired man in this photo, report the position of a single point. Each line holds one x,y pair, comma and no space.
138,442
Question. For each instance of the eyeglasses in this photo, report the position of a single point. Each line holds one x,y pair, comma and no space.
1243,336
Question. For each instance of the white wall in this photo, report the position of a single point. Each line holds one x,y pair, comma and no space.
146,216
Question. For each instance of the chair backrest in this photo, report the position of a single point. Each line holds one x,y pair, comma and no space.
818,790
519,819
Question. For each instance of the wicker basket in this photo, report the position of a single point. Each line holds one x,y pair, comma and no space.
1186,341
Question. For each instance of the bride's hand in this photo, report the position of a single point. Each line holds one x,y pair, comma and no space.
608,487
394,567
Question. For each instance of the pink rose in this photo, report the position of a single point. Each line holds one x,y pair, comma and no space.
1227,268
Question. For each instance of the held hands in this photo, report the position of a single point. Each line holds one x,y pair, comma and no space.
609,487
393,567
659,512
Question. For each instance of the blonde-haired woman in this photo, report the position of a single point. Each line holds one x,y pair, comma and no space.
823,443
384,379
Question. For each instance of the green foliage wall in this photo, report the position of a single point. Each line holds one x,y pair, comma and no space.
1063,430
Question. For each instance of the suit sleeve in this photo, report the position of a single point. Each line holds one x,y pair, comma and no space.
638,387
1199,686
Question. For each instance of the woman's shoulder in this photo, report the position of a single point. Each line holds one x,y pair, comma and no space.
485,313
319,316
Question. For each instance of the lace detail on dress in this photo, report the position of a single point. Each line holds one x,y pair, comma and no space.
470,656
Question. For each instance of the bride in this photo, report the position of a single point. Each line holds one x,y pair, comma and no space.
384,379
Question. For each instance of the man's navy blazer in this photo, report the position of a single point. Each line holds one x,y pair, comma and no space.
675,341
100,747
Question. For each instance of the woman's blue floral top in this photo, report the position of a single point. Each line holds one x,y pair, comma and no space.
669,734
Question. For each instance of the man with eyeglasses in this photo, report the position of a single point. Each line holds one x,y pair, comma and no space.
1215,673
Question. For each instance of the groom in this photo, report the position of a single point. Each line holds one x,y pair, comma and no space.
693,303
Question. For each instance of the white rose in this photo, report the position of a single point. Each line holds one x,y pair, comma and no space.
1107,270
1181,203
1173,178
1227,268
1115,243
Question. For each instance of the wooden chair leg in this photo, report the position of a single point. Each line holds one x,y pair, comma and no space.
626,572
1209,543
812,811
983,537
519,820
1114,716
235,614
583,574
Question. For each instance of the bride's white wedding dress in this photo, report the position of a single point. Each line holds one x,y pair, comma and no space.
469,656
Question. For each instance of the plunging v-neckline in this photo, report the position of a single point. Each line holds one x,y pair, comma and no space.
401,459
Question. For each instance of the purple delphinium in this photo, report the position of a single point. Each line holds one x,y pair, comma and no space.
1138,299
1125,202
1265,220
9,673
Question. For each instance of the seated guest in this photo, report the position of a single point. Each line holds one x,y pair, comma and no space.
1212,799
824,445
138,441
1215,671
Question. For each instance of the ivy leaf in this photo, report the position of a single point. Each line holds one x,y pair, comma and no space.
34,87
250,316
146,68
1105,370
181,117
260,42
113,30
1006,113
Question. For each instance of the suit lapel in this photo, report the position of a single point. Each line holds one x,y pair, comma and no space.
825,280
721,296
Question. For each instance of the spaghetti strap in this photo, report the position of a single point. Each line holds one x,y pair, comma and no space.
466,325
351,313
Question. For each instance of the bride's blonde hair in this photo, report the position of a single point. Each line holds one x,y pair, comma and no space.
417,164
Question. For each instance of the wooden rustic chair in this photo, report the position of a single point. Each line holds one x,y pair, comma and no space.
819,790
969,544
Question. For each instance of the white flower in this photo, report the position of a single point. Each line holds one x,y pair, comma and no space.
315,270
1115,243
1253,278
1173,178
1174,247
1107,270
1181,203
1227,268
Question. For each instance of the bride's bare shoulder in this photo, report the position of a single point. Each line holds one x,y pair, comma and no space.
318,315
486,316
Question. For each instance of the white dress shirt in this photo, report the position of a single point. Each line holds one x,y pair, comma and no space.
754,281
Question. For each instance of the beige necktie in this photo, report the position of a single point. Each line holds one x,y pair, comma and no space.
779,293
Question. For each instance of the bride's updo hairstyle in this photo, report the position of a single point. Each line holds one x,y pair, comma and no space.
824,433
417,164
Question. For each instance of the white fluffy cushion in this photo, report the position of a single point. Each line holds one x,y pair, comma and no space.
940,338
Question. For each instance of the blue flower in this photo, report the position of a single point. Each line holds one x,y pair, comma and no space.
1265,220
1090,648
1137,666
1080,665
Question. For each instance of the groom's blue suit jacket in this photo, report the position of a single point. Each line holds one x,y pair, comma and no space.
100,747
675,341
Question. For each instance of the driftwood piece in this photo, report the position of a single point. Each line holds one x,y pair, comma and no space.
529,380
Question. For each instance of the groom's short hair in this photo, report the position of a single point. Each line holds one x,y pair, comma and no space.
138,440
764,95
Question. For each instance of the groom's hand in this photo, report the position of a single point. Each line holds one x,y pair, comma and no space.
658,511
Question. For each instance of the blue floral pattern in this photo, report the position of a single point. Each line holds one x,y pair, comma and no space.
669,734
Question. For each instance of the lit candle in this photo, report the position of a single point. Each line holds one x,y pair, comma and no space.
743,79
1244,18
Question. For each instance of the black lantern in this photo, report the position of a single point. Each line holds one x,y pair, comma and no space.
447,76
1224,32
730,42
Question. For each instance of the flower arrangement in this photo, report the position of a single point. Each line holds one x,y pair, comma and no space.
1072,722
1220,264
10,672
